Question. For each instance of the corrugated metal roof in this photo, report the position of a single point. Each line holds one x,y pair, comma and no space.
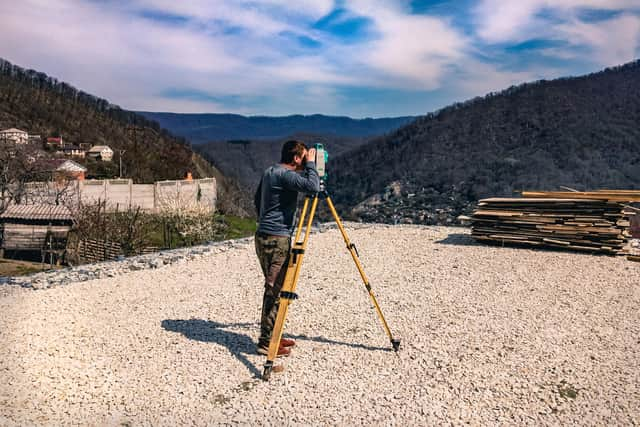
71,166
37,212
99,148
13,130
50,165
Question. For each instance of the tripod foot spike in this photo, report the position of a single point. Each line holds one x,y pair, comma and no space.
396,345
268,367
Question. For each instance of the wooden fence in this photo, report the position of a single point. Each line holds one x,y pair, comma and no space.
92,250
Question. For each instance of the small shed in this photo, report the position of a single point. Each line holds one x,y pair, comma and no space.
62,169
36,228
101,152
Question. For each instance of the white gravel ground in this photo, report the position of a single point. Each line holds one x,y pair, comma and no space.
490,336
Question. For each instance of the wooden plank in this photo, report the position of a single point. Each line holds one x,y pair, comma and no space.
584,224
583,195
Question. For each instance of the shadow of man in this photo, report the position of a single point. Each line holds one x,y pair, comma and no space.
208,331
239,344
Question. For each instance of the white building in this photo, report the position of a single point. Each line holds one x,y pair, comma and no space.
74,151
14,135
101,152
72,168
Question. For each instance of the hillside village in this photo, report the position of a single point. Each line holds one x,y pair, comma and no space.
52,154
54,207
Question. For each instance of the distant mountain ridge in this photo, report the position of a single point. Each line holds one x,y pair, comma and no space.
246,160
581,132
201,128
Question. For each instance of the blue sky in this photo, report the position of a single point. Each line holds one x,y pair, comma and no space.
360,58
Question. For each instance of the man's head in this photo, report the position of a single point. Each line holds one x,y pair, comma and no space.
294,154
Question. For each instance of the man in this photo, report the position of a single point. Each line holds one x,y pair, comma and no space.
276,201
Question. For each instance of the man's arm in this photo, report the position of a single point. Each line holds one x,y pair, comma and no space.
307,182
257,199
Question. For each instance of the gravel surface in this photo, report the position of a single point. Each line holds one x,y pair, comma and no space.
490,335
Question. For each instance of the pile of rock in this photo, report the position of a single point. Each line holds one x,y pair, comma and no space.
47,279
81,273
410,203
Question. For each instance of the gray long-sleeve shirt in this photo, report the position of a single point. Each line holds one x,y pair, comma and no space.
277,197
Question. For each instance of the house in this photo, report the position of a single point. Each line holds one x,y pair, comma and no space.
38,229
14,135
101,152
63,168
35,139
74,151
55,142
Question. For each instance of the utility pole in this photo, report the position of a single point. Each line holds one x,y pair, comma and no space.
135,129
121,152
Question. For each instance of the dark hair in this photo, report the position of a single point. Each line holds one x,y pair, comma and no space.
290,149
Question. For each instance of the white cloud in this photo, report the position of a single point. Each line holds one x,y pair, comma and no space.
478,78
132,52
246,16
604,42
614,41
315,9
499,21
409,50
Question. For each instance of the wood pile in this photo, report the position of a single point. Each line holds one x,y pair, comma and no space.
594,221
623,196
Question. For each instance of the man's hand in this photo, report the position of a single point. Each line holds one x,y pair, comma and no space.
311,155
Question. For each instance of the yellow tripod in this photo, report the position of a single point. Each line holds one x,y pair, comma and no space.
296,255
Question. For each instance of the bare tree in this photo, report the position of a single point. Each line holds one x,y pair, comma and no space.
18,166
129,228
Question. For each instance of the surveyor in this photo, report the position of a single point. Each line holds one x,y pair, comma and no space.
275,202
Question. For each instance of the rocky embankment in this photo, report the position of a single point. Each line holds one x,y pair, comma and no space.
406,203
490,335
82,273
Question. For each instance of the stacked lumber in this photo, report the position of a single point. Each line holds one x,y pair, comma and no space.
609,195
592,225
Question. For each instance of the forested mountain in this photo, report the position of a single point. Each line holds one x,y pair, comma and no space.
581,132
201,128
246,160
39,104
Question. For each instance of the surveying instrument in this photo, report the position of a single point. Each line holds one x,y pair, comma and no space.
296,255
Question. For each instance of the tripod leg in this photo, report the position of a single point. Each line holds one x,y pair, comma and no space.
354,254
287,294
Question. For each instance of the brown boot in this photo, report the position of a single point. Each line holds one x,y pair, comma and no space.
284,342
282,350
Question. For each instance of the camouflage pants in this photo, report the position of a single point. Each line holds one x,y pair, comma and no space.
273,254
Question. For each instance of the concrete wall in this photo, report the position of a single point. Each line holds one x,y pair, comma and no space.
118,194
91,191
196,195
208,191
186,195
144,195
